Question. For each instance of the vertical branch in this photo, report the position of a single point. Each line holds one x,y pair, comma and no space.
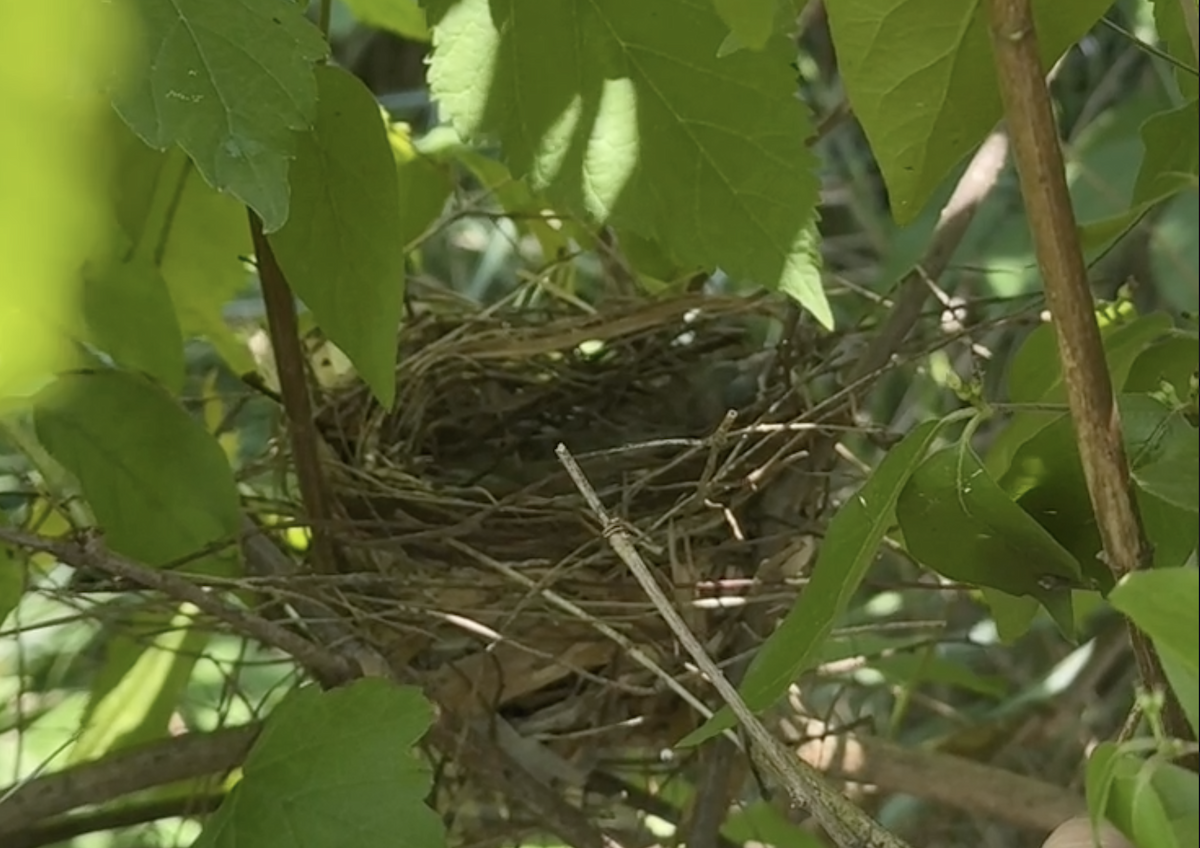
297,403
1038,155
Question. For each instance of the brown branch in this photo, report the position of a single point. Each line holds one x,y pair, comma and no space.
24,806
326,666
66,828
297,402
1038,155
961,784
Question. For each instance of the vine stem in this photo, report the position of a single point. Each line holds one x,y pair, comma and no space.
1038,155
284,328
845,823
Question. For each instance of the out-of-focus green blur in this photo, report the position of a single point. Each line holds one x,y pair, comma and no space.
59,59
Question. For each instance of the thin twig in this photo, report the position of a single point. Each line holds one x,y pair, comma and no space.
1038,154
297,403
845,823
326,666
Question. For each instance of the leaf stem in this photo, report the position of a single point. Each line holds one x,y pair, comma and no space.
1038,155
324,16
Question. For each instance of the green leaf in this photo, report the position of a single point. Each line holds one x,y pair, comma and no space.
1035,374
920,77
850,545
957,521
230,81
1185,686
403,17
1168,19
1162,602
1171,359
52,177
624,113
148,661
1172,141
750,22
1163,450
423,186
158,483
130,317
333,769
339,249
194,234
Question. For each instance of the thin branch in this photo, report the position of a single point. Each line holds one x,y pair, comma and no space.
297,403
1094,413
26,805
326,666
845,823
64,829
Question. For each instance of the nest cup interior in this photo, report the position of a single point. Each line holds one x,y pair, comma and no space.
480,563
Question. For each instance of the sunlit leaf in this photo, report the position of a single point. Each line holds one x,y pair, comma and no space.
639,123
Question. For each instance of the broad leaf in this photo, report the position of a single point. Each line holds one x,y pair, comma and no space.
850,546
1172,359
130,317
340,249
159,484
230,81
957,521
1162,602
625,114
921,79
333,769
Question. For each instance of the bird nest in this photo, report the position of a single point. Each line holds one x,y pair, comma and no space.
488,573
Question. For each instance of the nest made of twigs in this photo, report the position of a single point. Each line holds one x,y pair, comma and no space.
487,570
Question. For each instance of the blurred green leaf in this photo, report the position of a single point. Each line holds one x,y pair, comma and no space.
159,484
130,317
230,81
957,521
911,670
148,660
1168,19
13,571
1163,603
1172,141
1185,685
52,169
340,248
423,186
403,17
333,769
850,546
624,132
926,105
